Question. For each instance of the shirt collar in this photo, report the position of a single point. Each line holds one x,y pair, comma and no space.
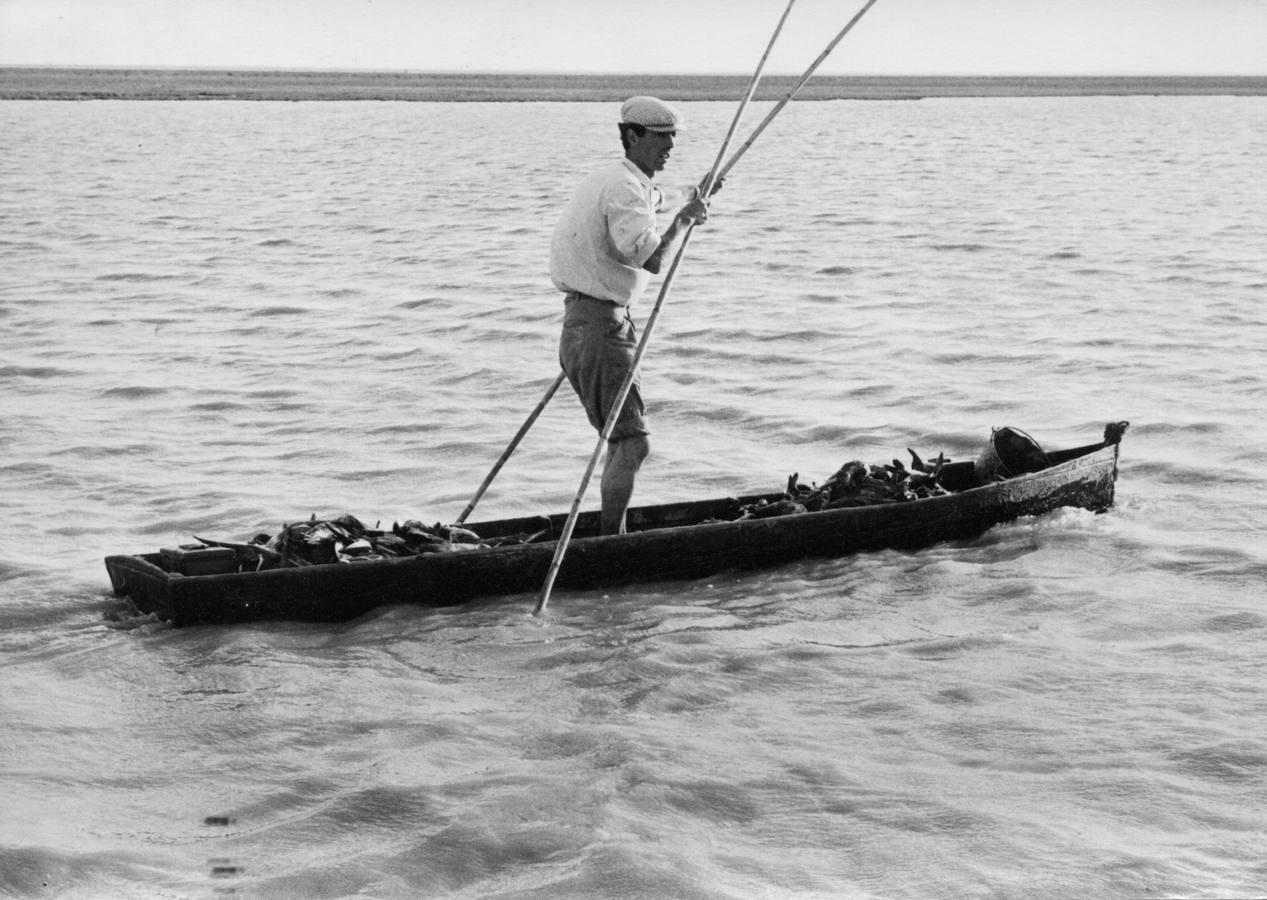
642,176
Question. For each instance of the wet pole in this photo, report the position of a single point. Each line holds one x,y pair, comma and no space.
705,190
514,442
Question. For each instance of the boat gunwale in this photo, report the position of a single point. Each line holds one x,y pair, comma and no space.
1075,458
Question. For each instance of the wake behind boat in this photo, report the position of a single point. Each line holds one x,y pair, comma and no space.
223,582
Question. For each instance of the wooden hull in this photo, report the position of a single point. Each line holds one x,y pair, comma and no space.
662,544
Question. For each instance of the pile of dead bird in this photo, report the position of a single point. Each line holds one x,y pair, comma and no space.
346,539
857,484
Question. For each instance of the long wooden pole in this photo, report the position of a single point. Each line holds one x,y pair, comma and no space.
705,190
795,90
514,442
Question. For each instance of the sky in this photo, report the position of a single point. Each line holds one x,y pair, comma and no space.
896,37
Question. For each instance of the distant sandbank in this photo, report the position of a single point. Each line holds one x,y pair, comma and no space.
31,83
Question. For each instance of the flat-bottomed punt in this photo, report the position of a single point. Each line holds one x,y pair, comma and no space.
672,541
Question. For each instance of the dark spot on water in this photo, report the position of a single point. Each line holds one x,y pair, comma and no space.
881,708
216,406
277,311
714,800
77,530
1234,622
558,745
836,270
31,372
126,276
948,648
218,821
276,242
408,428
1229,761
942,820
842,807
956,359
804,654
1173,428
133,393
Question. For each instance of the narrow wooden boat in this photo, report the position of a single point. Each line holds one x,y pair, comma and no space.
673,541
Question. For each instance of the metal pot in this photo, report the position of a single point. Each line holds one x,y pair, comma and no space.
1010,452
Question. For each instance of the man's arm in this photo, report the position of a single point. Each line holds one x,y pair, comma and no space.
692,213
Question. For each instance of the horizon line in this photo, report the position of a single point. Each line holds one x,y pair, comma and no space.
604,74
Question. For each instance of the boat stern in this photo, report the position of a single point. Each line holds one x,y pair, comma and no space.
142,580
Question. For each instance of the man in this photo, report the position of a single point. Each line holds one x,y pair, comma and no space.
605,248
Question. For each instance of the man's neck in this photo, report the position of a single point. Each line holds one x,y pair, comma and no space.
637,165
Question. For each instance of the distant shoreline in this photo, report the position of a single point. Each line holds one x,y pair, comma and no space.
53,83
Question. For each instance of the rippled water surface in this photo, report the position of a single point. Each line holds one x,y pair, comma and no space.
219,317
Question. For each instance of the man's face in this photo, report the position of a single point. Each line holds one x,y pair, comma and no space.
650,150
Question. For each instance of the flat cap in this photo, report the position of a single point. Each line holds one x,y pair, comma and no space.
651,113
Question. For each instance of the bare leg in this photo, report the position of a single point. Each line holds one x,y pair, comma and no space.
624,459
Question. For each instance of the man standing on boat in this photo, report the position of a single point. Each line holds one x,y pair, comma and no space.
606,247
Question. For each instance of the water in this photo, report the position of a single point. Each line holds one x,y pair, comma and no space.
219,317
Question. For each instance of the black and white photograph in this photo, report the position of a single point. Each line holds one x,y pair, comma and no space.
578,450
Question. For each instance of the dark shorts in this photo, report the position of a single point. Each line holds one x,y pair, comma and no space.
596,351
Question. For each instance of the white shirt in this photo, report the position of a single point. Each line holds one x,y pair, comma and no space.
607,231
